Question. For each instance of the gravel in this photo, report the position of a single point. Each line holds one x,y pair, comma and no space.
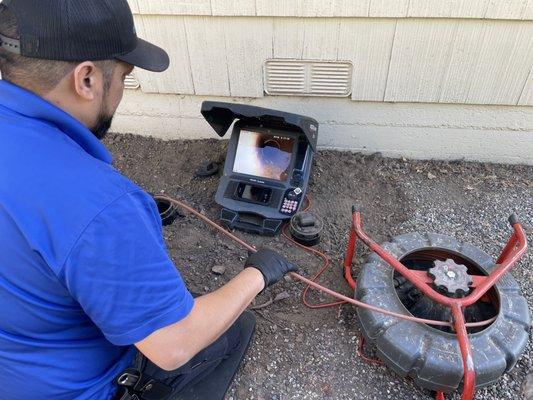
298,353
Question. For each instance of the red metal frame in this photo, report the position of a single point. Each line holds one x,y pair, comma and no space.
512,252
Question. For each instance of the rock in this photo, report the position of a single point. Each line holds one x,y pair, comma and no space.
218,269
282,296
431,176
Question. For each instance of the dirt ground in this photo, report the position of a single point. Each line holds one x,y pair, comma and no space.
299,353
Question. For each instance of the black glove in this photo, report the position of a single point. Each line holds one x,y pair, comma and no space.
272,265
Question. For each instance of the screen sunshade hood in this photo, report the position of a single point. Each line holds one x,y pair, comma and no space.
222,115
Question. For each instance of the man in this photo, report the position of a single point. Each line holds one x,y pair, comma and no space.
85,280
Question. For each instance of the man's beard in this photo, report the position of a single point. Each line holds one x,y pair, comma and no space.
102,126
103,122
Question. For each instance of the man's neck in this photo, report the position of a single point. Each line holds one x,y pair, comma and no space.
58,96
61,99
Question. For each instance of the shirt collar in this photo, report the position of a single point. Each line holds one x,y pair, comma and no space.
26,103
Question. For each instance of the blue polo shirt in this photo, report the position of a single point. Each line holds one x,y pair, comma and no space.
84,272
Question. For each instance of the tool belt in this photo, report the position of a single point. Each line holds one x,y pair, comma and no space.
135,385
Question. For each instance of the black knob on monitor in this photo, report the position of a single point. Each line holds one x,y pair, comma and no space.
297,178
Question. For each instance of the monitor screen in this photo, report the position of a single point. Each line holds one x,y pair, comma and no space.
263,155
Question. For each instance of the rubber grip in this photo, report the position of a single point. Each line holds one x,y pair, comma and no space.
513,219
306,220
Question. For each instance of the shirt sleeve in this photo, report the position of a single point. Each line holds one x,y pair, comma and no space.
121,275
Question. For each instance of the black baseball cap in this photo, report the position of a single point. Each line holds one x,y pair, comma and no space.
81,30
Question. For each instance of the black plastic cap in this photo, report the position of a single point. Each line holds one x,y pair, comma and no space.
513,219
306,228
356,208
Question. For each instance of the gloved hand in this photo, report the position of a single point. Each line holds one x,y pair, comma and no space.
272,265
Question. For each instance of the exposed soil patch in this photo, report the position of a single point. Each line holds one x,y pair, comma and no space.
298,353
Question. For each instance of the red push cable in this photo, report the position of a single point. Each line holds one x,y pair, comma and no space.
315,285
348,276
361,353
325,266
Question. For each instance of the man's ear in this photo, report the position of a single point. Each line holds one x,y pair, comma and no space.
85,80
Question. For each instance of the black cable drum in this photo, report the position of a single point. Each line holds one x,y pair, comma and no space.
428,354
305,228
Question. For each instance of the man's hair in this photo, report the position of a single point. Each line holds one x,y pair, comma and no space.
38,75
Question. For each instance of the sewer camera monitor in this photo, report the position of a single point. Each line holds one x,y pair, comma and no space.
267,167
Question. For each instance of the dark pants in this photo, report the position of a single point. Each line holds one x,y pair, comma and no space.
198,368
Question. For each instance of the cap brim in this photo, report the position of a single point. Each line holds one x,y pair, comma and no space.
147,56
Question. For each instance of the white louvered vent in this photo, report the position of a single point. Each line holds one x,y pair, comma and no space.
131,82
308,78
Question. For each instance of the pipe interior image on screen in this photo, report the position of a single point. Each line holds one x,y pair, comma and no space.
264,155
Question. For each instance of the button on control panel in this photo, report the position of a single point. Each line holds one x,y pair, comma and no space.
291,201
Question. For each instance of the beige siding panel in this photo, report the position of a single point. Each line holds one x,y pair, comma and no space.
208,54
337,8
169,33
420,56
321,39
526,99
175,7
490,63
313,8
368,44
397,60
331,8
315,39
528,10
288,39
492,9
512,46
448,8
465,58
279,7
388,8
506,9
248,44
233,7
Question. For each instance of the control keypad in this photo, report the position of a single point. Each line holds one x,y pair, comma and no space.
291,201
